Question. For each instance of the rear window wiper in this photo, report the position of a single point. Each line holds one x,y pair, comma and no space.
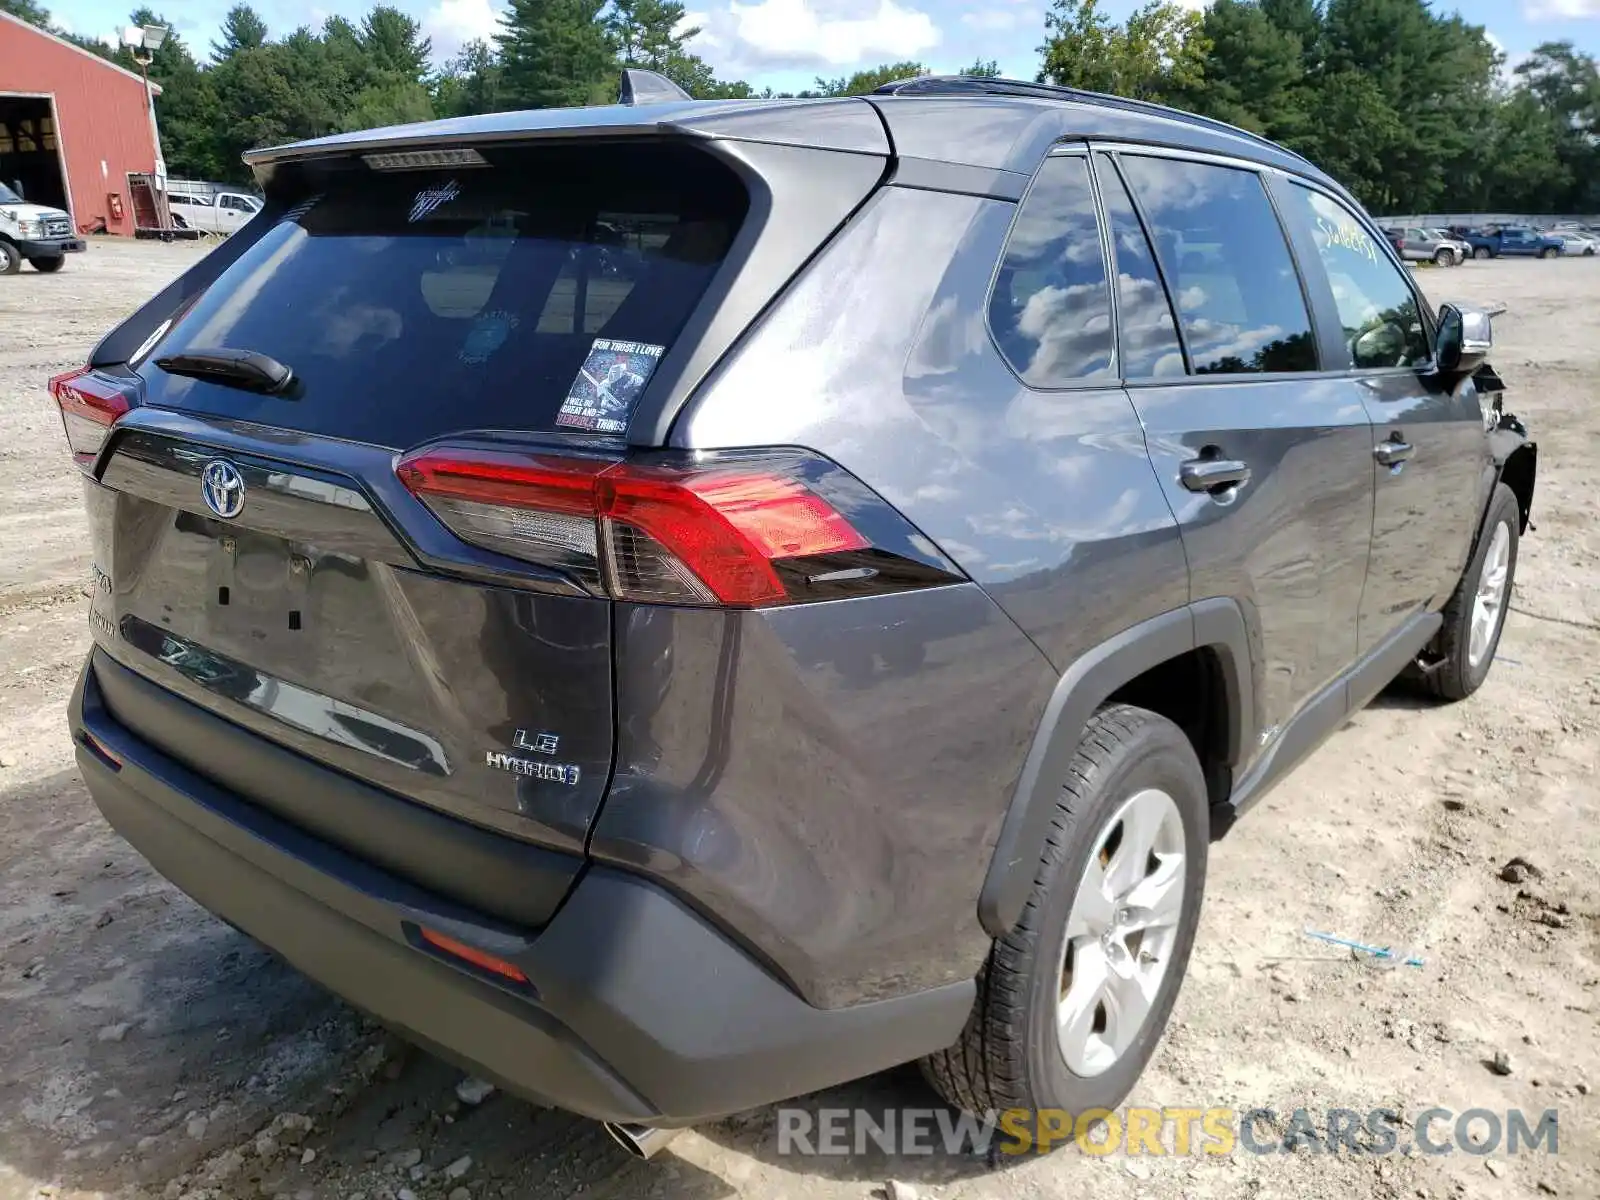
244,369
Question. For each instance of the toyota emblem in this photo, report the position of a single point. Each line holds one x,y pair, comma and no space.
222,488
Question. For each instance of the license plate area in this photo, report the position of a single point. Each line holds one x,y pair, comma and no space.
258,586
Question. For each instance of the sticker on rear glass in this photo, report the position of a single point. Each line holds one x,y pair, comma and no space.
608,385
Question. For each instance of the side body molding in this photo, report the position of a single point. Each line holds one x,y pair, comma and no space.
1218,624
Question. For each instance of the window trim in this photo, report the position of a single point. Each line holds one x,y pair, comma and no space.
1155,257
1271,176
1113,377
1263,173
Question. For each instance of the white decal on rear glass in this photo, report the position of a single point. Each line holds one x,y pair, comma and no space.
430,199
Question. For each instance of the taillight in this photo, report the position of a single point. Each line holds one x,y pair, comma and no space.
745,532
90,404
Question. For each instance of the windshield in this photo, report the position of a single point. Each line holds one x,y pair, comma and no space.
7,196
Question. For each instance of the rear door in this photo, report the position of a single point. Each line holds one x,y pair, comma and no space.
262,559
1266,461
1430,453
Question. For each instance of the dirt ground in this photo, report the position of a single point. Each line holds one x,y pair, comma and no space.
148,1050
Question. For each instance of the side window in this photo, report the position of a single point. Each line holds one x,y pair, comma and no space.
1228,266
1146,333
1051,307
1377,308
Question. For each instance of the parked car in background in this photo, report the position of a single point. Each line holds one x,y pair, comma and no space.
33,233
1514,240
469,608
1583,245
1416,244
212,212
1463,248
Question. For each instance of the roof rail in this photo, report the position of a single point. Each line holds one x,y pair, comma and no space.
977,85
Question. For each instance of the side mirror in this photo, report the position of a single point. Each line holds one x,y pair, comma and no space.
1466,335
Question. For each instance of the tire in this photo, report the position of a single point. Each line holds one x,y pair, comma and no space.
10,259
1549,252
1443,258
1482,252
1010,1054
1460,672
49,265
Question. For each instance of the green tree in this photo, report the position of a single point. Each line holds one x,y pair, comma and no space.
1525,145
1302,18
468,83
1158,54
1565,83
1078,46
983,69
1254,72
644,33
242,29
554,53
869,80
650,34
394,44
27,10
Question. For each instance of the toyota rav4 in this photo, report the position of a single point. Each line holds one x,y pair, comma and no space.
681,604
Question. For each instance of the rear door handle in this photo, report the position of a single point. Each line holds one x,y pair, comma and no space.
1393,452
1213,474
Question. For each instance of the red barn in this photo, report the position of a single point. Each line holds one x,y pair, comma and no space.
73,127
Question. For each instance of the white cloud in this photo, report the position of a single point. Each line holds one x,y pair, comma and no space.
818,33
992,20
1548,9
453,23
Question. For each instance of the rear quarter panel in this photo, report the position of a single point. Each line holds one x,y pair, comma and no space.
879,357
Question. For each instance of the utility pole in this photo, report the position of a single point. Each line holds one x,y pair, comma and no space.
145,40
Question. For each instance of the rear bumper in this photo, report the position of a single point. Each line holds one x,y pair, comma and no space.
638,1009
53,248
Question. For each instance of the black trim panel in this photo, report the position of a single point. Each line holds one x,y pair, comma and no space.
1082,689
1326,712
931,175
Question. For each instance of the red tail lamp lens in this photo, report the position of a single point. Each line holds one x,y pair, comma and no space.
676,535
90,405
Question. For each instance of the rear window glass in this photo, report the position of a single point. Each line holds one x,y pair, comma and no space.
413,304
1226,261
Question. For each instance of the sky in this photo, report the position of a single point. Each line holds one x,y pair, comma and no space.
787,43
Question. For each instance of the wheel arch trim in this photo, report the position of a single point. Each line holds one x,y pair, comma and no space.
1216,624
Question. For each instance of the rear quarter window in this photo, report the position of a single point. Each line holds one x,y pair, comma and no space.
414,304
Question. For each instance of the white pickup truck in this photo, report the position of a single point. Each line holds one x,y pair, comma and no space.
211,212
33,233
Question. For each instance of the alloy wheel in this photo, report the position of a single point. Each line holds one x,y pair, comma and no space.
1491,595
1121,932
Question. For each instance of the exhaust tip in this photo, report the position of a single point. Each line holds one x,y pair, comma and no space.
641,1141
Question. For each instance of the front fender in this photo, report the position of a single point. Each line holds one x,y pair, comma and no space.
1513,450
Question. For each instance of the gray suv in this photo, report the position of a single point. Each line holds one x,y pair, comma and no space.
681,604
1417,244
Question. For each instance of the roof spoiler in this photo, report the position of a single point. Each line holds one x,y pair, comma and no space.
648,87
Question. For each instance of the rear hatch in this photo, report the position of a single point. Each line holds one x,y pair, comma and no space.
256,552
